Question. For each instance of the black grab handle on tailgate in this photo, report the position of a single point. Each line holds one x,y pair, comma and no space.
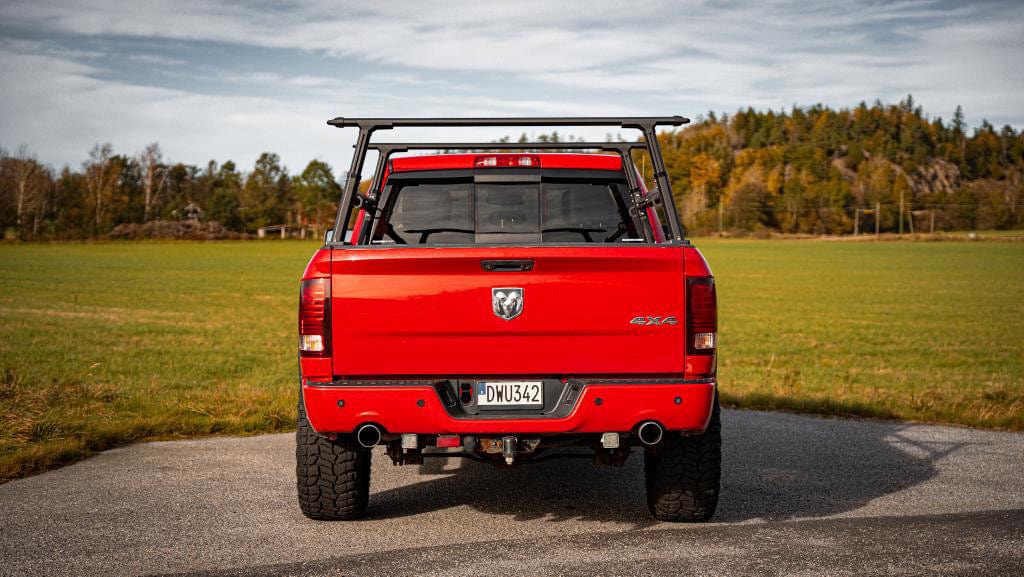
507,265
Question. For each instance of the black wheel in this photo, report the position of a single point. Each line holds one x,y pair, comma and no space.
683,474
333,476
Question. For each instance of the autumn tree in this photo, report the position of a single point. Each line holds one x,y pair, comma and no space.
101,176
153,176
28,181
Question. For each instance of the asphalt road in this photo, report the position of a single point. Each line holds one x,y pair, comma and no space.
800,496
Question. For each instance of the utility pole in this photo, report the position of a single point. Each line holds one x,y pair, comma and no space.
901,211
932,230
720,208
856,221
878,217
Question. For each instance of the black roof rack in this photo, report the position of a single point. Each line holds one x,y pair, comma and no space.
639,122
645,124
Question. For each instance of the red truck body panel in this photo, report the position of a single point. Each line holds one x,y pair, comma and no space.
397,409
416,311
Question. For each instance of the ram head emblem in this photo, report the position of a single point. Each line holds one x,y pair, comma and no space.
507,303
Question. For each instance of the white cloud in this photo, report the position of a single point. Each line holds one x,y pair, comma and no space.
517,37
61,110
156,60
476,58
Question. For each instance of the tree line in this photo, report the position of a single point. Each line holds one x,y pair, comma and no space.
113,190
817,170
808,170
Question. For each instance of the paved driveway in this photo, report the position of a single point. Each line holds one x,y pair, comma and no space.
801,495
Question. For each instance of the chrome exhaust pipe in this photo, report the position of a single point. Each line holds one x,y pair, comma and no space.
368,435
650,433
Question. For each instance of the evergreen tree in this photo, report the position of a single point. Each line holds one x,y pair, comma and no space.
317,194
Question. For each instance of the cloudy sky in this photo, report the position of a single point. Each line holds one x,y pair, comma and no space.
223,80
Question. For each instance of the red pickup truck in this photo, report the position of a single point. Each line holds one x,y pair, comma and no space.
507,305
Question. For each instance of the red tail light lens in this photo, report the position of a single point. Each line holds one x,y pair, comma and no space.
507,161
701,316
315,317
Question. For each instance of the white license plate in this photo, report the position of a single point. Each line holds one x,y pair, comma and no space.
510,394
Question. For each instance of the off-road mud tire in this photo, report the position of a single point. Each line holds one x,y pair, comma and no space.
683,474
333,477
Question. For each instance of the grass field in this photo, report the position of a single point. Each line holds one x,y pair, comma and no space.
105,344
923,331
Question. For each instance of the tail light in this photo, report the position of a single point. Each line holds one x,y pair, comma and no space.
315,317
701,316
507,161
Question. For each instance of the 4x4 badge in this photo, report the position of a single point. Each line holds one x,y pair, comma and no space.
507,303
653,321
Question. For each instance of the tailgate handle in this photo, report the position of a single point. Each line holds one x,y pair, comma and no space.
507,265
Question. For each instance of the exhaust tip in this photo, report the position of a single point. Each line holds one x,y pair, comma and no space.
368,435
650,433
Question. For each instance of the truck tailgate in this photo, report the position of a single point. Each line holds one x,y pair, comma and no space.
430,311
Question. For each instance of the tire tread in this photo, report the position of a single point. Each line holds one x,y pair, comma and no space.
683,474
332,477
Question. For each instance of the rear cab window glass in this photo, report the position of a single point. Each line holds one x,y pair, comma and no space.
581,212
507,212
430,213
557,209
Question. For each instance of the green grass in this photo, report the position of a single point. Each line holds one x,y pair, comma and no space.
103,344
989,233
108,343
922,331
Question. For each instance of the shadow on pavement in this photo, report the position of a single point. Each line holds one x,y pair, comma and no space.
556,490
778,466
775,467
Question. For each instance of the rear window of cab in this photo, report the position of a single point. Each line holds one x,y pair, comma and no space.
461,211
